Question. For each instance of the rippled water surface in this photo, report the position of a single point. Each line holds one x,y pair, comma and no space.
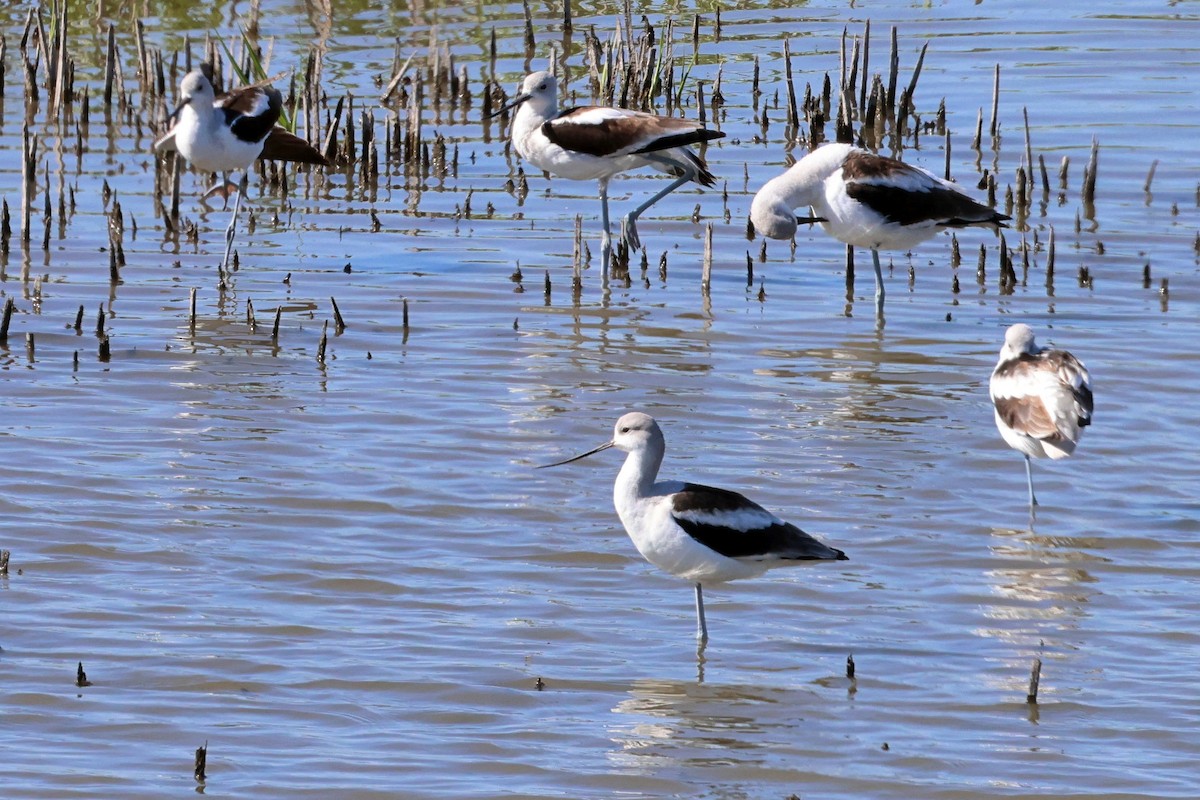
348,580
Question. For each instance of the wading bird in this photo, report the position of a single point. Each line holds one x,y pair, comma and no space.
597,142
866,200
1042,399
228,132
699,533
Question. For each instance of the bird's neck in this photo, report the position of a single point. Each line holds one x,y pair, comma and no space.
800,185
528,119
635,481
192,116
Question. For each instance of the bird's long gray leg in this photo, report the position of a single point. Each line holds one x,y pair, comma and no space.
229,231
605,237
701,625
878,283
1029,477
629,222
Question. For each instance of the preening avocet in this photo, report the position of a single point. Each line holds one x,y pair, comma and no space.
597,142
698,533
228,132
866,200
1042,399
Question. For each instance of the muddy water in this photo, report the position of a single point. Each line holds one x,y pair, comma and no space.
347,579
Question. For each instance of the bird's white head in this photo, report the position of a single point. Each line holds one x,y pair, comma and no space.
195,90
539,92
1018,339
636,431
771,215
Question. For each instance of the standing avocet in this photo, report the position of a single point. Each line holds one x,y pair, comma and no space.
698,533
1042,399
597,142
866,200
229,132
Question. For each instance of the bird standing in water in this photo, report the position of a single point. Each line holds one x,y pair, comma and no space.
866,200
699,533
223,133
597,142
1042,399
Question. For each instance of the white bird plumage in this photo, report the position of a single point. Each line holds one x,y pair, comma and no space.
598,142
866,200
1042,399
699,533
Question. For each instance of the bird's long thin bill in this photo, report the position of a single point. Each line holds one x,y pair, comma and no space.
516,101
178,108
604,446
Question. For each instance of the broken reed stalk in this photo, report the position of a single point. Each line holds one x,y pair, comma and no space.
4,556
866,58
5,224
338,323
1028,147
1150,176
1089,174
850,667
6,318
1050,258
192,310
201,762
946,147
893,72
706,277
275,325
1035,677
78,320
907,99
324,341
81,678
995,126
29,157
793,113
104,351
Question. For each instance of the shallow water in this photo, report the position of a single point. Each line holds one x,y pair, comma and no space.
347,579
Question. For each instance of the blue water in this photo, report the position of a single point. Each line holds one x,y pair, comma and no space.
347,578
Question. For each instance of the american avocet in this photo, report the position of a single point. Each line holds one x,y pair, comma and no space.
866,200
597,142
228,132
698,533
1042,399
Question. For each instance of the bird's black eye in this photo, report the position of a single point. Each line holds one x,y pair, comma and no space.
624,430
542,86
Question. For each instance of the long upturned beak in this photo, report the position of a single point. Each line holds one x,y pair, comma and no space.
604,446
516,101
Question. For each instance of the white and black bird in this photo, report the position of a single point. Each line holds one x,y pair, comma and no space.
226,132
699,533
1042,399
597,142
866,200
